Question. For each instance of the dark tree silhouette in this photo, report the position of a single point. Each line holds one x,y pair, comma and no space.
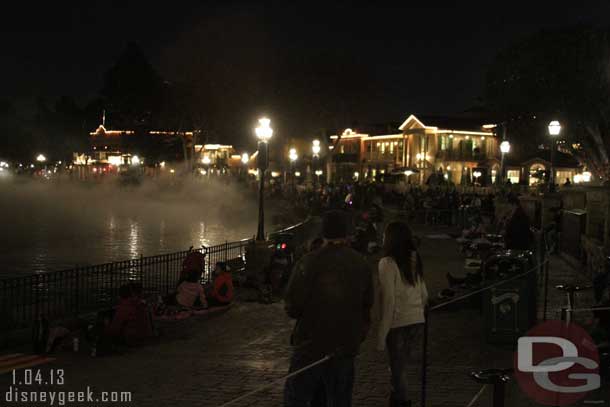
561,74
133,90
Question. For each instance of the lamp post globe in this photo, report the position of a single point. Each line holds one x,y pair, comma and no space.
505,147
263,133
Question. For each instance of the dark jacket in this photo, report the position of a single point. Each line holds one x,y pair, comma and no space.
330,293
518,235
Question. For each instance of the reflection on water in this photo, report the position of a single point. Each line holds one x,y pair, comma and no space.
72,227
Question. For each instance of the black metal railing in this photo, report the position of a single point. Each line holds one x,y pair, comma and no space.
81,290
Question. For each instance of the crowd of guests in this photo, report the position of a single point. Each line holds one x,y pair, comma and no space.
131,322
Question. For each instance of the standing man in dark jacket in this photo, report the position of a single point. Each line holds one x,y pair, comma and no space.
330,294
518,234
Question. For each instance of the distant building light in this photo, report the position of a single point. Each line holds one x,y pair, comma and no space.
115,160
297,174
490,126
135,160
586,176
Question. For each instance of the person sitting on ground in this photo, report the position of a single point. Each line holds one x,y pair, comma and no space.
190,293
130,324
194,261
220,292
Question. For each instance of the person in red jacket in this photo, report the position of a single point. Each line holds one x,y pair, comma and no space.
220,291
130,324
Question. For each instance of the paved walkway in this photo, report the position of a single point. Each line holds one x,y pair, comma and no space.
209,362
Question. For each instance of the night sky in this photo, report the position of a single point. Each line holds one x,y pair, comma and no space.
308,65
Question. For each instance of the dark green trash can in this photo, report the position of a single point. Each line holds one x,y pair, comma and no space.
509,309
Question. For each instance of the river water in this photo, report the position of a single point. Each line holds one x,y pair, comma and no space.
52,226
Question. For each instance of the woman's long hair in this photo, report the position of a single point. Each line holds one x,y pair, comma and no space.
399,244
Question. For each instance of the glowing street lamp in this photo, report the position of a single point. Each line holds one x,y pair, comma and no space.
315,148
41,158
263,133
135,160
504,149
293,156
554,130
245,158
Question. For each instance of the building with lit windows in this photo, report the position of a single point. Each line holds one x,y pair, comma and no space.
461,150
454,147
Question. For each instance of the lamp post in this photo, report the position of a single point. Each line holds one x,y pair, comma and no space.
206,161
504,149
554,130
315,148
293,156
245,158
263,133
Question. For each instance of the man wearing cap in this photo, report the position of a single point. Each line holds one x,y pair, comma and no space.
330,294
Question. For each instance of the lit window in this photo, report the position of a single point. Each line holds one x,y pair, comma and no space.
513,176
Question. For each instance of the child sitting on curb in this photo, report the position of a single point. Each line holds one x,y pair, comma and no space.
220,291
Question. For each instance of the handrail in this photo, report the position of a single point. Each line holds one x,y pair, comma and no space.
82,289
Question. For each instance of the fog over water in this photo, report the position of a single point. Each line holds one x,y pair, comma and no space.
56,225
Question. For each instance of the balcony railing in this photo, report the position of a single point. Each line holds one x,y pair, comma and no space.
456,155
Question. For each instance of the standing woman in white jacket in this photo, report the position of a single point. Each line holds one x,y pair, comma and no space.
404,298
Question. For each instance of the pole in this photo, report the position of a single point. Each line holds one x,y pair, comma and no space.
260,235
502,180
314,165
424,373
552,174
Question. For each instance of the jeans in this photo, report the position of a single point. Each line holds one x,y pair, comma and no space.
335,376
402,344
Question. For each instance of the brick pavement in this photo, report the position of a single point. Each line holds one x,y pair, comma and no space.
207,362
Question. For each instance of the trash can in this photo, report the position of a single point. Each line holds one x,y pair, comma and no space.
509,309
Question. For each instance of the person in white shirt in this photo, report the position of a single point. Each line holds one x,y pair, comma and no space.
404,297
